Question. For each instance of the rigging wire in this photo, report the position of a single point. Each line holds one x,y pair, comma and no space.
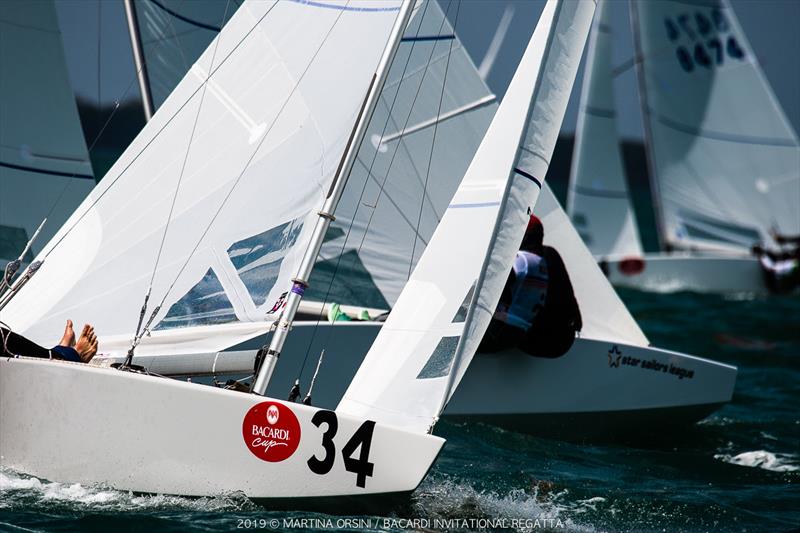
433,143
369,173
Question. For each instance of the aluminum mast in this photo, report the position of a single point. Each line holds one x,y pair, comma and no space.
138,59
300,282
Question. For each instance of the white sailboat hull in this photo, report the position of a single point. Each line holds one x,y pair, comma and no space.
597,388
510,389
686,272
81,424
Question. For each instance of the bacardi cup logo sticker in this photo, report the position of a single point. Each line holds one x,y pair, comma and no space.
271,431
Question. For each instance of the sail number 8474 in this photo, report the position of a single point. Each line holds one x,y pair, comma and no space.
703,39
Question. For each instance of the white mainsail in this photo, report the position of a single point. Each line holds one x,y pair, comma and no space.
392,202
45,170
598,202
429,339
724,158
213,199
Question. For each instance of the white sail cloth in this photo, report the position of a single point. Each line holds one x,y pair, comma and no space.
393,201
44,165
429,339
725,160
245,147
604,315
598,202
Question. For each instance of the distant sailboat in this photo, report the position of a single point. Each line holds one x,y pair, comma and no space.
44,165
151,434
724,160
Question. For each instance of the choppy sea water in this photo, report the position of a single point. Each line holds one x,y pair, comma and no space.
738,470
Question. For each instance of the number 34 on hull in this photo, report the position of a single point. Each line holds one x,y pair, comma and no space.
155,435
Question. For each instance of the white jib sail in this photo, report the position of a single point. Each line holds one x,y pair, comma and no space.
246,147
44,165
598,202
429,339
604,315
724,158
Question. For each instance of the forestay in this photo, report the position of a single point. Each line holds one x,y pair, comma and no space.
246,147
726,162
598,202
429,339
44,165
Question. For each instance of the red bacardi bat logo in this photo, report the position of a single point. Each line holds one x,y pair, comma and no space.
271,431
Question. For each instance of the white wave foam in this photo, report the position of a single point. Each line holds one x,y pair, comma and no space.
21,490
448,499
764,460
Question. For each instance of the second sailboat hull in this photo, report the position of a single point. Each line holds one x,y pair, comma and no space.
673,272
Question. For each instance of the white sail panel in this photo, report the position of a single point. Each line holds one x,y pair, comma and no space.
44,165
391,211
598,201
604,315
726,161
428,341
250,139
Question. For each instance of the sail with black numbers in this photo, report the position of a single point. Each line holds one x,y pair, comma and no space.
724,159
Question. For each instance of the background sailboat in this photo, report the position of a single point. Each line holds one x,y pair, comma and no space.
724,160
44,164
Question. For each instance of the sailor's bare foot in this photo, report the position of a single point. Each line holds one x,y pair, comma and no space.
68,339
87,344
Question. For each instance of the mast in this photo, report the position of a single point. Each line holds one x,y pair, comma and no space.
138,59
300,282
638,61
